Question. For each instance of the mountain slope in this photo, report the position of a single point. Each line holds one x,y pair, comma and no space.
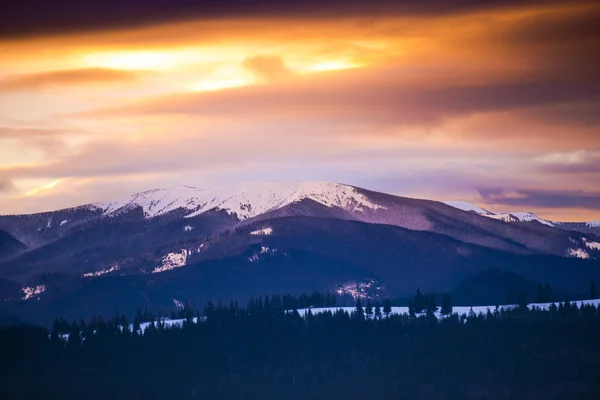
298,254
585,227
255,201
9,246
247,240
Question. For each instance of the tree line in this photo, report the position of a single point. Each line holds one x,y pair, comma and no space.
267,351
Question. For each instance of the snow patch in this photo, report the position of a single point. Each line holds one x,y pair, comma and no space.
459,310
266,231
101,272
591,245
357,289
578,253
245,200
178,304
29,292
593,224
254,258
172,261
527,217
188,228
64,221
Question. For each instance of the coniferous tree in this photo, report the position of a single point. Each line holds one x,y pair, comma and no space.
419,303
446,304
522,302
369,309
55,330
74,336
358,311
431,303
411,308
387,307
137,328
472,313
377,311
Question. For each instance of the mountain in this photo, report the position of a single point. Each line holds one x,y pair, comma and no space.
586,227
233,242
9,246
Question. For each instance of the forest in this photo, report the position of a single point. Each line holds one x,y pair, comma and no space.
268,351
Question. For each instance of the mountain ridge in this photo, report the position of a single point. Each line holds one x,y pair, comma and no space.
201,199
251,239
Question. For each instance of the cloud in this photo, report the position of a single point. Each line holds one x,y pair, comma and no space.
579,161
266,67
542,198
72,77
62,16
6,185
51,141
375,96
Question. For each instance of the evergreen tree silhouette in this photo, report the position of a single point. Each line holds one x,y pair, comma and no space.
358,311
446,304
369,309
387,307
522,302
419,303
377,311
431,303
411,308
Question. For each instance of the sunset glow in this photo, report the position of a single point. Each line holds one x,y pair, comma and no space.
494,105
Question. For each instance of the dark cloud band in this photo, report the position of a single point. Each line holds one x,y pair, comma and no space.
41,17
541,198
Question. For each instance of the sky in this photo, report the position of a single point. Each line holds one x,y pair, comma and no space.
493,102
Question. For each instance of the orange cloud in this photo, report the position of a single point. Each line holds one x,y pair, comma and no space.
427,99
73,77
267,67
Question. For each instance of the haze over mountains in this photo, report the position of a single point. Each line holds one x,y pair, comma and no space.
233,242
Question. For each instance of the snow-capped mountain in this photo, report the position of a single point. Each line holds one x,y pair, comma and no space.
503,216
245,200
266,237
586,227
465,206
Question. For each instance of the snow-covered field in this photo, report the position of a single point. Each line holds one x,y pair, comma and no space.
460,310
169,323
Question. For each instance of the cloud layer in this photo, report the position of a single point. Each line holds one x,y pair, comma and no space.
493,102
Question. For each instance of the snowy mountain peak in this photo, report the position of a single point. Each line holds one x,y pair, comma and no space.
503,216
246,200
465,206
593,224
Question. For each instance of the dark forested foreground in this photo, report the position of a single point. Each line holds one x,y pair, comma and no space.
264,352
